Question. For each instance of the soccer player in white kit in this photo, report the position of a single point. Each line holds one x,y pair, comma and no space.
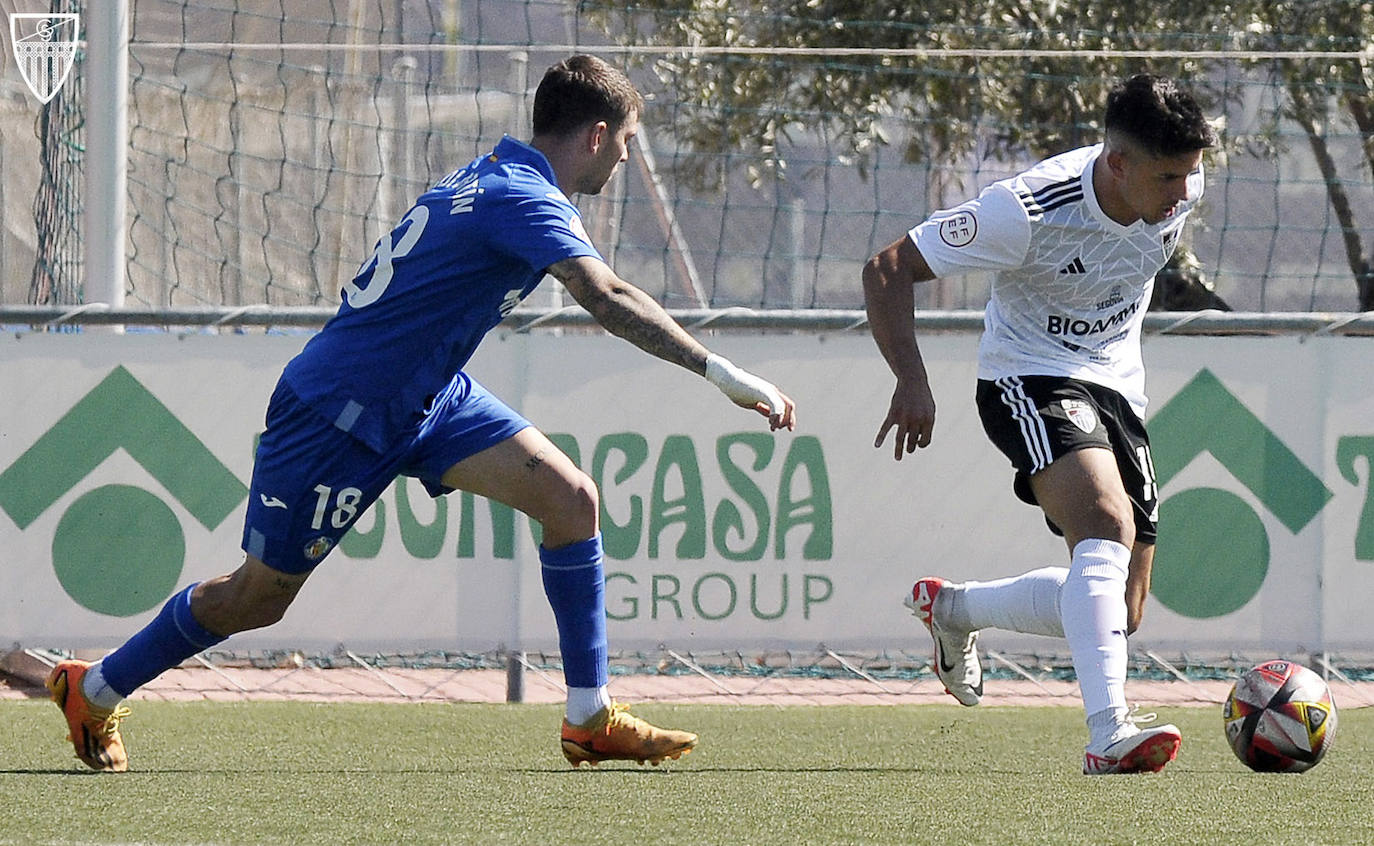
1075,241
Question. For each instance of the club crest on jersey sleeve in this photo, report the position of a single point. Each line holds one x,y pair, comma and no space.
575,224
574,218
959,229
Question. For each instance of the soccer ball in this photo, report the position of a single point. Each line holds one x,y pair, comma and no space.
1280,718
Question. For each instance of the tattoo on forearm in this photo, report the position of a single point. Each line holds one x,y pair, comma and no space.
641,328
535,460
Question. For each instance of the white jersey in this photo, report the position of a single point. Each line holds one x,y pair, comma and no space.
1072,285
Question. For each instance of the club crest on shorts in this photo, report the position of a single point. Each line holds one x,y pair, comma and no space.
44,47
1080,413
318,548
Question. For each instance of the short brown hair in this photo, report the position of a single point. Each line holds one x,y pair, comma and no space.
580,90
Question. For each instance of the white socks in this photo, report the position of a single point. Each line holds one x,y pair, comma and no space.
1093,602
1084,604
97,691
1104,726
1027,603
585,702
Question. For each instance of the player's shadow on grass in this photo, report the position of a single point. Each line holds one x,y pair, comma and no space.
47,772
685,770
446,771
204,771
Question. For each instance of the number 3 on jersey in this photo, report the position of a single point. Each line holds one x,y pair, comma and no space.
381,260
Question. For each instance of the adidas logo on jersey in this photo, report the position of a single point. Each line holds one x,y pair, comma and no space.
1075,266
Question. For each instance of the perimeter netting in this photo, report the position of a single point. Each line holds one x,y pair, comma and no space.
819,676
41,156
273,142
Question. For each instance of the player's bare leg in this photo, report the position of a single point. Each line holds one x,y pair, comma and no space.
1138,584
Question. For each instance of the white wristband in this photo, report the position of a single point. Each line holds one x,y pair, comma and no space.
741,386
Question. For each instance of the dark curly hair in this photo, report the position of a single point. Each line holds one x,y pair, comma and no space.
1158,115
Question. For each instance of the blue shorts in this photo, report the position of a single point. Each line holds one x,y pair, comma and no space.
312,481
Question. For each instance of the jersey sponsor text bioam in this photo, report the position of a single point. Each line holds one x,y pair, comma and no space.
1058,324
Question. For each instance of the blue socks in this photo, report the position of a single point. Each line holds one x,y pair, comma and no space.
573,582
576,589
172,637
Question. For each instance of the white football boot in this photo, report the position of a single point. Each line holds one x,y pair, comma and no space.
1132,749
956,652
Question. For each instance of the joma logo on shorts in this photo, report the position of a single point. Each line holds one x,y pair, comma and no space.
1058,324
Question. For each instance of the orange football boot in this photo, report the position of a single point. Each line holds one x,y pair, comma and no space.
616,735
94,732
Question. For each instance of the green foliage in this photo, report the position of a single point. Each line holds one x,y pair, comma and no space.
749,104
728,109
296,773
748,101
1322,92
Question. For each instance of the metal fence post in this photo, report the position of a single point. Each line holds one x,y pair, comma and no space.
107,134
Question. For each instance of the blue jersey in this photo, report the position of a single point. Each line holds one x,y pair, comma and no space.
468,251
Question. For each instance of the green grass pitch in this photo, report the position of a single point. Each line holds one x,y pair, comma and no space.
296,773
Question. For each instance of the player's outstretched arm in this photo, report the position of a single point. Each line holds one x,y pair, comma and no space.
890,300
629,313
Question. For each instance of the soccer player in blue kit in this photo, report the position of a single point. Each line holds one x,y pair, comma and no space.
380,392
1075,241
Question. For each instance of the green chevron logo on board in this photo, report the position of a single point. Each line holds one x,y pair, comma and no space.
119,549
1213,552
